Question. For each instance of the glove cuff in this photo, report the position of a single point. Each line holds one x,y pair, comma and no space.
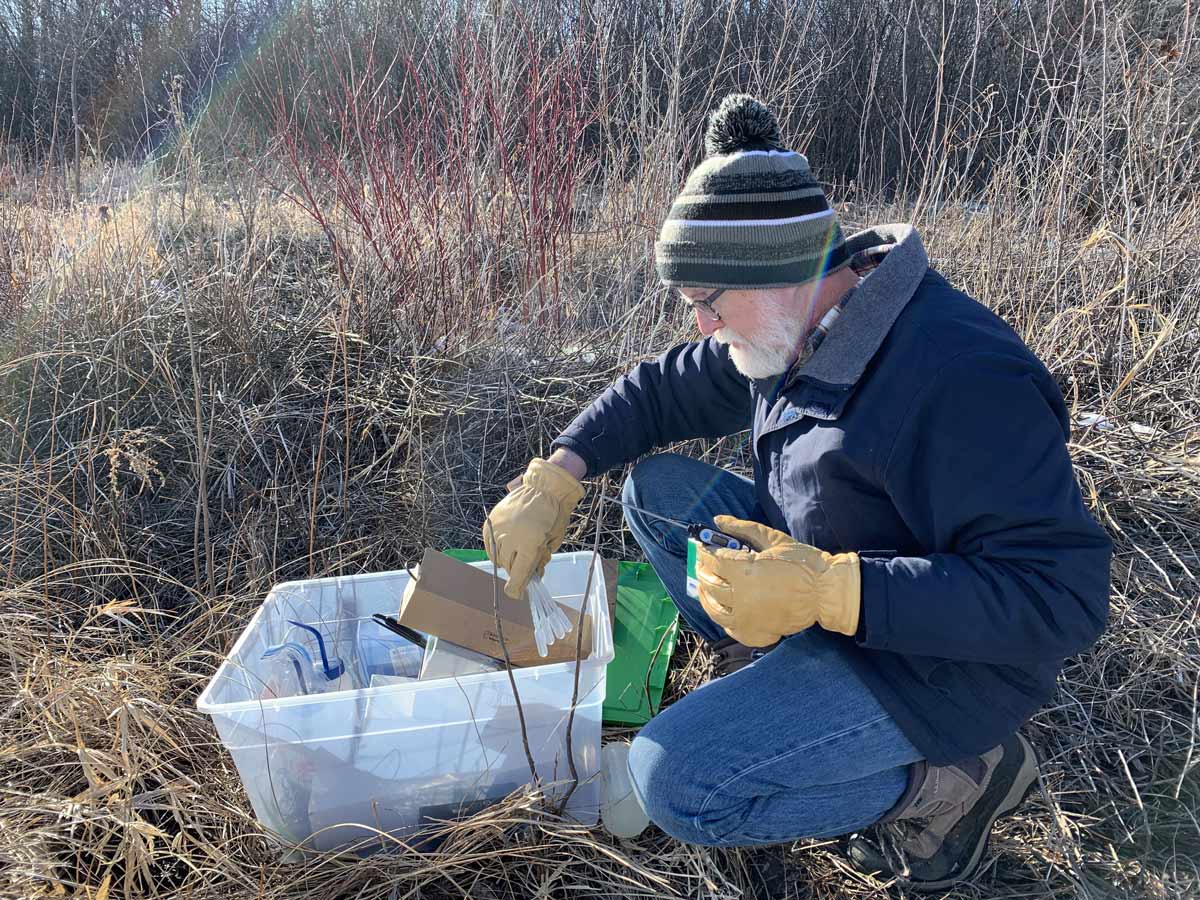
843,595
555,481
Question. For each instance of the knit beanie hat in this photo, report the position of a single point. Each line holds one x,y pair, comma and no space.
751,214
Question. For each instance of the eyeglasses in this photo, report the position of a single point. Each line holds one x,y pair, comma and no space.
706,304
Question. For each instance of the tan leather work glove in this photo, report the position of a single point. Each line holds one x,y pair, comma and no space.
779,589
528,525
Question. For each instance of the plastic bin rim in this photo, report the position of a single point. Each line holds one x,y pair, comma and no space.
205,705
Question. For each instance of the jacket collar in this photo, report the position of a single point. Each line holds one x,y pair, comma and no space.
832,372
878,300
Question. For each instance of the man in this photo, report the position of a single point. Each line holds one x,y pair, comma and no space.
923,561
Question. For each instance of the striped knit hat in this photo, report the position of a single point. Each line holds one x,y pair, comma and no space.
751,214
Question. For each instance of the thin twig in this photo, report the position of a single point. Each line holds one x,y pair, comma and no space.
650,669
583,605
504,647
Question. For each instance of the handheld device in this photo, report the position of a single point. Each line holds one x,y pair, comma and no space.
698,535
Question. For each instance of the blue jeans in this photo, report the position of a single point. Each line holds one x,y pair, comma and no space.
792,746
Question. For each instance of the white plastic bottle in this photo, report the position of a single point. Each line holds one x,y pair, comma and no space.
621,812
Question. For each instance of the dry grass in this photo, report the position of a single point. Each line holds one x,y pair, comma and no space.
210,393
171,453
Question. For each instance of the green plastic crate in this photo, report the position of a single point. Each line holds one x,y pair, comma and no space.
644,617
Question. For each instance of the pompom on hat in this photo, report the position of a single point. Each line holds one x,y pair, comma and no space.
751,215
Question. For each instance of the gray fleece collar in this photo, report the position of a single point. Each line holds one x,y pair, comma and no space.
866,320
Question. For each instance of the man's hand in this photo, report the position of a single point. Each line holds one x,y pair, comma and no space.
527,526
779,589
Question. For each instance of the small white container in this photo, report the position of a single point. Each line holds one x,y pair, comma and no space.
331,768
620,809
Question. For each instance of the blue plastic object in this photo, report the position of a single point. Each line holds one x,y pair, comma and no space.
295,652
334,669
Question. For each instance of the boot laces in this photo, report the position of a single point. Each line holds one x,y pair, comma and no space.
892,839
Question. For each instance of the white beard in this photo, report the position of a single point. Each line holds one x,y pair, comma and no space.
772,350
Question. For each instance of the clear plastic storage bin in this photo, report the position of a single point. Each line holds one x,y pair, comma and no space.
344,761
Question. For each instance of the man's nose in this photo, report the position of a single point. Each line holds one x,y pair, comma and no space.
706,323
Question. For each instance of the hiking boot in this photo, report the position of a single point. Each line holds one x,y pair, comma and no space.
937,832
729,656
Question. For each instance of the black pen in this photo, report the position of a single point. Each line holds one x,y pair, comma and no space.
409,634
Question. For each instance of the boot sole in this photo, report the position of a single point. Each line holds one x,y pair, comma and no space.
1021,788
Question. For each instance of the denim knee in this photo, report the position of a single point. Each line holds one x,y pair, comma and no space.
668,785
651,475
647,486
656,779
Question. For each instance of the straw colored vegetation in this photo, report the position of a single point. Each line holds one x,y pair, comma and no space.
313,361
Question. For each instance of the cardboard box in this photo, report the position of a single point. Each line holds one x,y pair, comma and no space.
454,601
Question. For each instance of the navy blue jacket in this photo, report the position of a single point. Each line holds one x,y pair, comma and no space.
924,435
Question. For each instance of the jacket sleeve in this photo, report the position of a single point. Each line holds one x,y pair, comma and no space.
693,390
979,471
